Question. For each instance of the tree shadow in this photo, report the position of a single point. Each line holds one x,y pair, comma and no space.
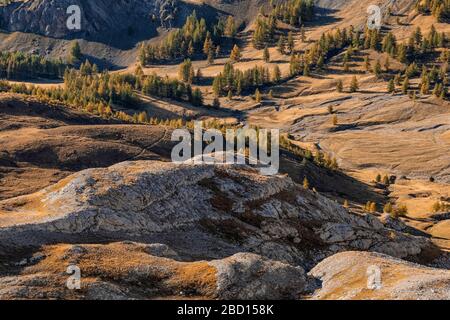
103,64
328,181
324,16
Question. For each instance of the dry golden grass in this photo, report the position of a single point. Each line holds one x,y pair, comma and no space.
349,279
127,264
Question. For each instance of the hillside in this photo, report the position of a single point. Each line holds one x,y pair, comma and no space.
344,276
199,212
110,32
87,178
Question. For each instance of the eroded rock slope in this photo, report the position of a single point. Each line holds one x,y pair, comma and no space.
184,230
201,211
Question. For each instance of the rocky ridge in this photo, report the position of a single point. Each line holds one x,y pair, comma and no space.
216,210
205,231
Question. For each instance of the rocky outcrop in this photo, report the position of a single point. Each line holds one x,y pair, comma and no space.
200,211
236,278
368,275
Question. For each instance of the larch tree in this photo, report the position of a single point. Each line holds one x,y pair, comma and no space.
339,86
391,86
354,84
235,55
405,85
276,74
266,55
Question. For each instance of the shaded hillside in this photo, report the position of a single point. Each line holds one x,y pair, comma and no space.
43,143
118,23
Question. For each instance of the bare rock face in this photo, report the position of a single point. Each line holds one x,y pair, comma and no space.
200,212
49,17
100,20
368,275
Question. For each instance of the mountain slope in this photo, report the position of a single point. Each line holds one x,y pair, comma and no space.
203,211
118,23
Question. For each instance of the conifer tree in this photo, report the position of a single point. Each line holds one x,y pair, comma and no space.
290,42
378,178
230,27
387,65
367,63
306,183
266,55
387,208
339,86
191,75
391,86
142,117
185,71
258,97
217,87
276,75
303,34
306,70
210,57
75,52
197,97
397,79
334,120
425,86
281,44
208,45
354,84
405,85
377,69
418,37
320,62
191,49
346,205
235,55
